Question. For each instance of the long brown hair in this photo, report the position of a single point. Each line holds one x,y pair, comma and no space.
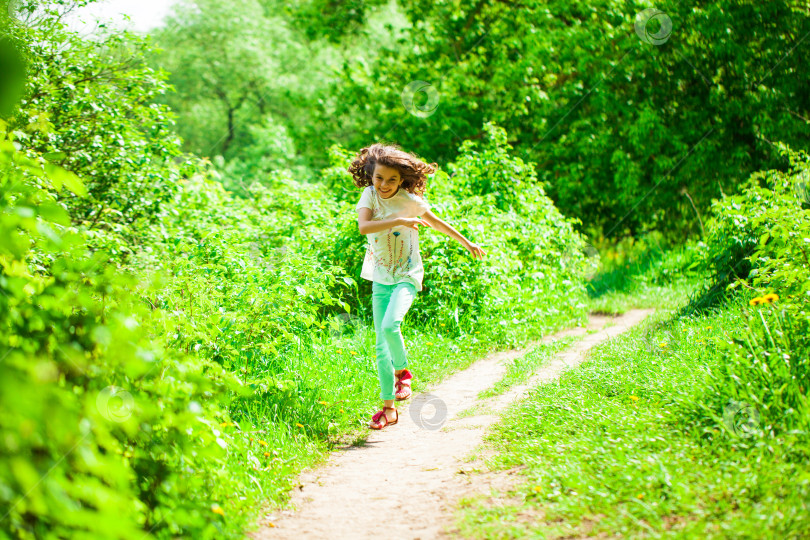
412,170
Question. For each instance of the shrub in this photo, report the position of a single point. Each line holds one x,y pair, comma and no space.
107,434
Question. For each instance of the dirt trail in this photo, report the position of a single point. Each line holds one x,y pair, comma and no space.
404,481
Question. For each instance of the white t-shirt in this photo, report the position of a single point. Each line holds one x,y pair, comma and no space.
392,255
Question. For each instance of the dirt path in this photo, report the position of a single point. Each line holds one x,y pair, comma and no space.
404,481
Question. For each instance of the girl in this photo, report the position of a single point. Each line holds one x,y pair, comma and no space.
387,214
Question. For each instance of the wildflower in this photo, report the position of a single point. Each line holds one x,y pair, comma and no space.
251,439
340,351
537,489
662,344
353,353
215,508
755,301
267,454
323,403
708,328
634,398
341,410
299,425
429,343
640,496
770,298
262,443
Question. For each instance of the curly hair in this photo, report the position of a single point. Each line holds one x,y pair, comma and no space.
412,170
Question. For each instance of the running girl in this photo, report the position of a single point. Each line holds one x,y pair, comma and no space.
388,214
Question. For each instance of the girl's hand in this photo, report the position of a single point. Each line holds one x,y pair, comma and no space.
413,223
475,250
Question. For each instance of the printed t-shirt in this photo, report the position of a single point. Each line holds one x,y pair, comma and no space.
392,255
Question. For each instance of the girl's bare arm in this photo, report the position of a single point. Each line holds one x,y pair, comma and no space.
442,226
368,226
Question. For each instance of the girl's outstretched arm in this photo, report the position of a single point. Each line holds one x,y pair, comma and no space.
442,226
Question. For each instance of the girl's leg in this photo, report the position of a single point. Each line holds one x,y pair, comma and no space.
399,303
380,297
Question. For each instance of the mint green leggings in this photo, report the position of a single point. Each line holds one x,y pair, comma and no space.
389,304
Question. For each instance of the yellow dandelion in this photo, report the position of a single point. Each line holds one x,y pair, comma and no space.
341,410
323,403
662,344
267,454
770,298
353,353
262,443
340,351
215,508
708,328
251,439
634,398
429,343
755,301
299,425
537,489
442,324
640,496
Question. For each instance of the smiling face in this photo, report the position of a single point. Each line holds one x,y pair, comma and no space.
386,181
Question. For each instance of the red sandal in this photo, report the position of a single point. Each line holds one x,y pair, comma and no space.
403,385
380,416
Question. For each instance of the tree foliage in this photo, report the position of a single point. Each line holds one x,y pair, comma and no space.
659,127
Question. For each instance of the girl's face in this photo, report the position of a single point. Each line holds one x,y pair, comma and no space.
386,181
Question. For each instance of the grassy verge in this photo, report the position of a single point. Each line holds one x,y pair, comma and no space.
524,366
642,442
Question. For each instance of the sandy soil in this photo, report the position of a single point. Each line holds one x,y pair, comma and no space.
405,480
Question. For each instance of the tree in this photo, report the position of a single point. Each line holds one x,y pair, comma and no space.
656,124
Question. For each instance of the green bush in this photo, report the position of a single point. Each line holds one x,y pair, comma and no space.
758,245
761,237
90,104
107,434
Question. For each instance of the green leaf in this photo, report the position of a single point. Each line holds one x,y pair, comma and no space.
60,176
54,213
54,156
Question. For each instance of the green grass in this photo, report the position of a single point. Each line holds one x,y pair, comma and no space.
522,367
638,443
